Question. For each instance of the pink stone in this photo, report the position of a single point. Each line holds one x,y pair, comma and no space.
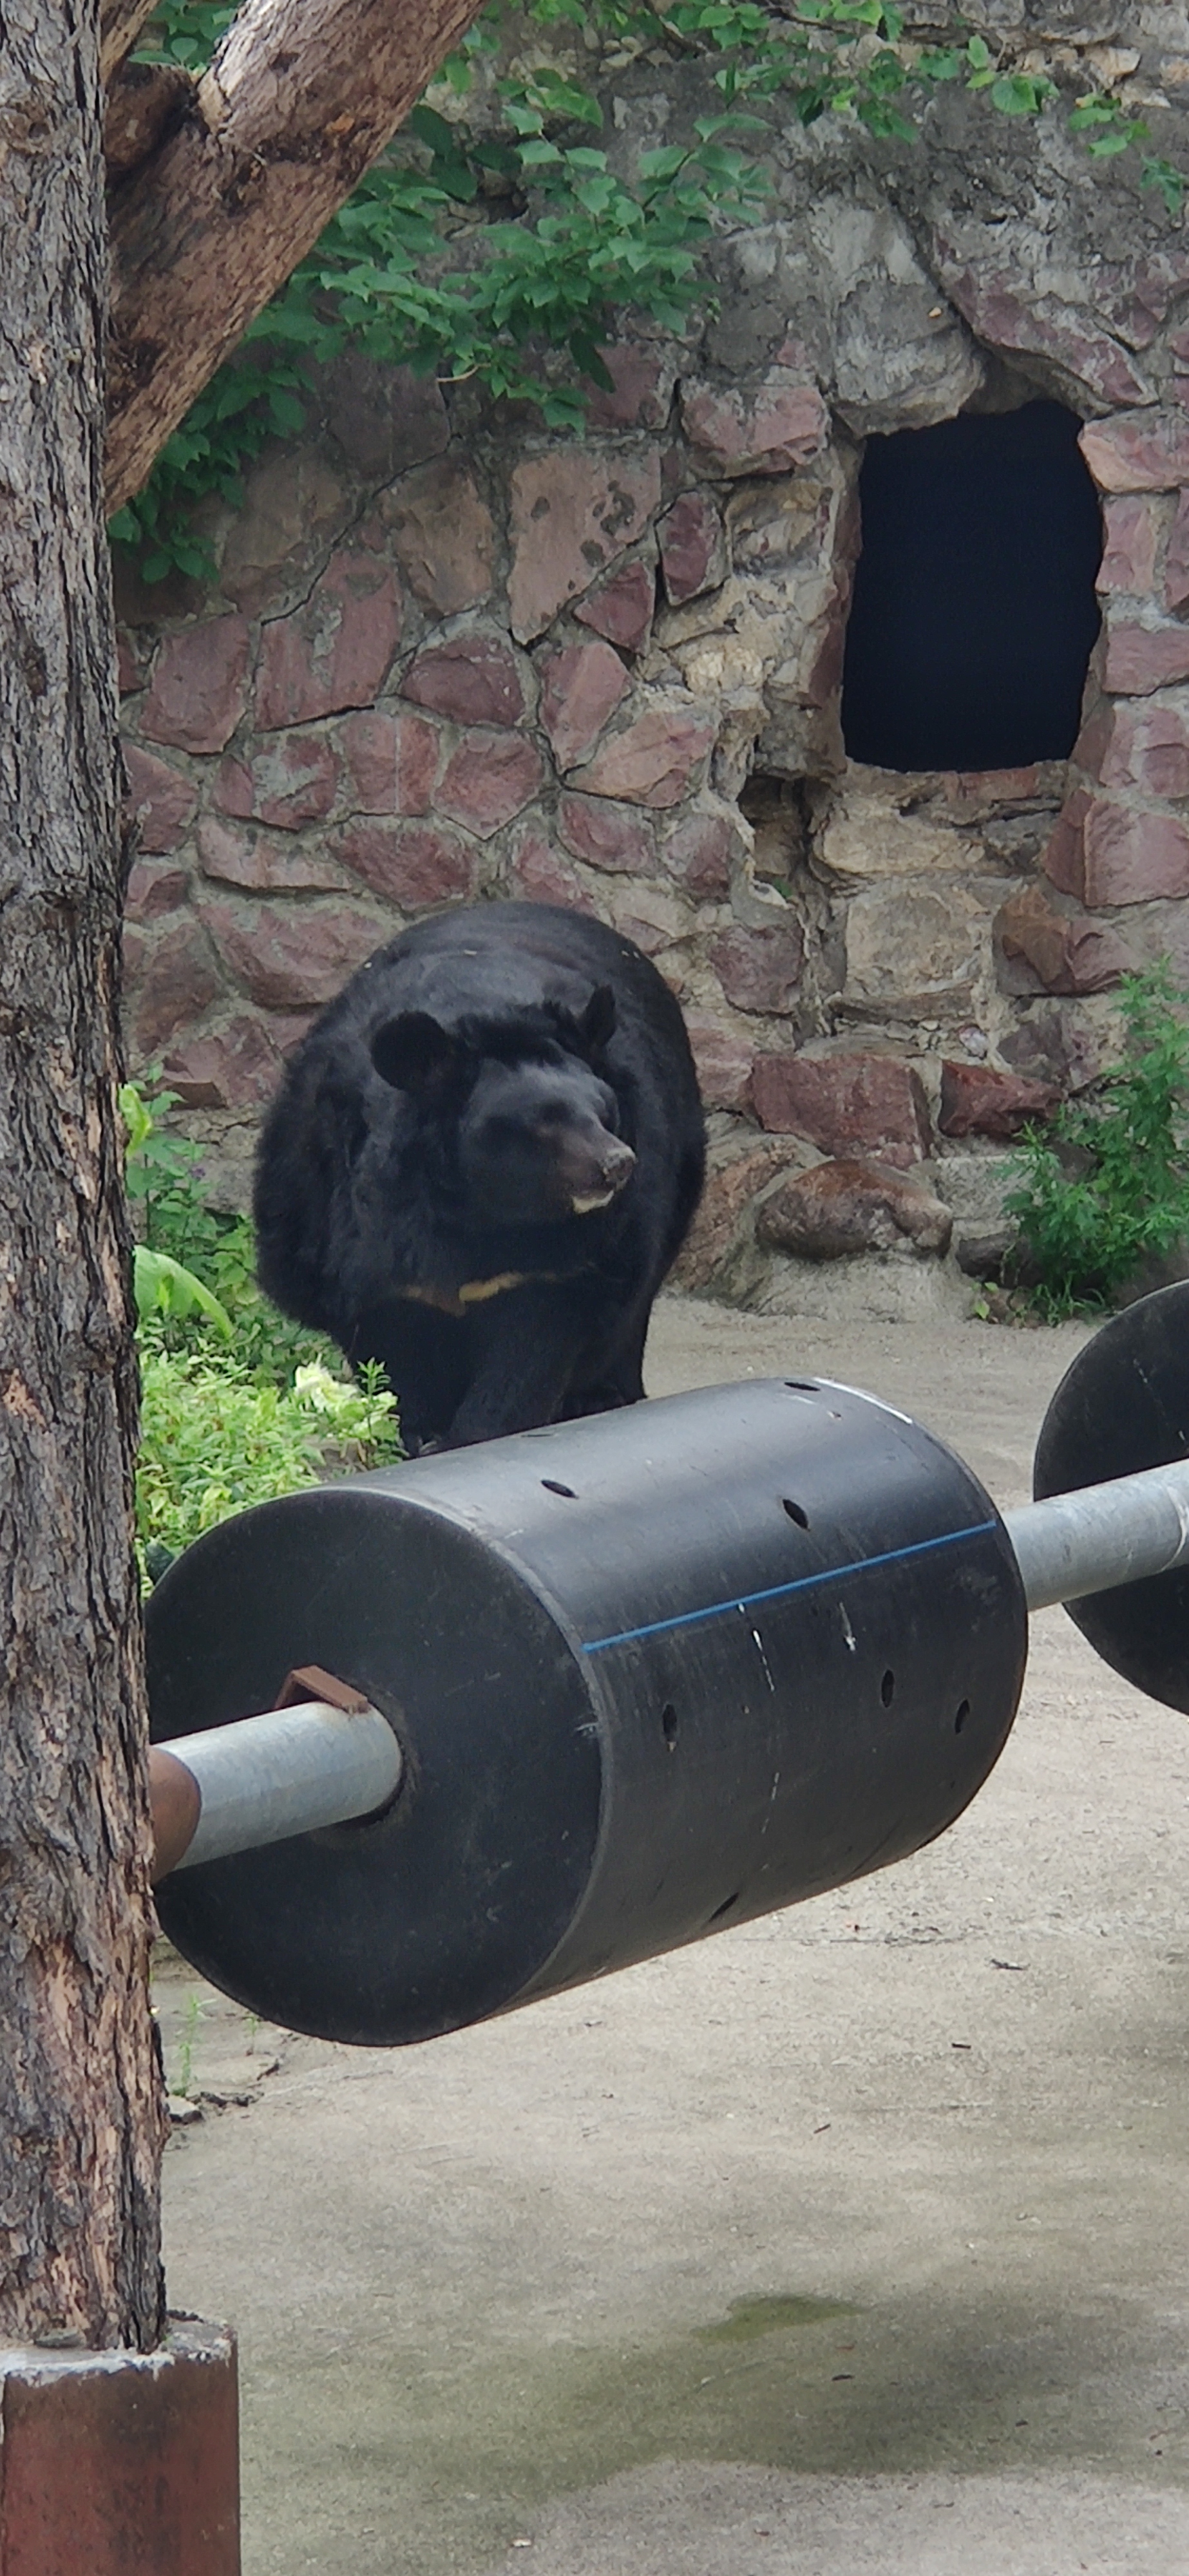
475,678
1001,317
699,854
238,1068
573,512
199,685
581,689
1112,854
415,865
336,649
1139,451
977,1100
285,960
169,981
872,1103
608,836
621,608
1065,955
537,875
162,801
655,760
1176,559
840,1208
693,548
775,430
724,1064
1142,658
392,762
286,783
490,777
262,865
760,970
153,891
640,391
128,672
729,1188
1129,555
1145,747
442,536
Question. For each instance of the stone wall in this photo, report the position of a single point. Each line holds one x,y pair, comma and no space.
450,656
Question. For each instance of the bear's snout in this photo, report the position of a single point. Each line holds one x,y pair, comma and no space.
614,1166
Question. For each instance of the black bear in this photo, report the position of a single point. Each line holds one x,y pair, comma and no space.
481,1163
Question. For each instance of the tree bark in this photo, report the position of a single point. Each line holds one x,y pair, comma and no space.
81,2113
297,103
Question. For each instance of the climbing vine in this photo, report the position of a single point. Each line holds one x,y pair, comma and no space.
558,243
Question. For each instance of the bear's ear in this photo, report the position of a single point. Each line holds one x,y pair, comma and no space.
598,1019
414,1052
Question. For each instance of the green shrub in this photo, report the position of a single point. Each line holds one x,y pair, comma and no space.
270,1409
1106,1183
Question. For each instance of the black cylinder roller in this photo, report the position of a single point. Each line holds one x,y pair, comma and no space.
653,1673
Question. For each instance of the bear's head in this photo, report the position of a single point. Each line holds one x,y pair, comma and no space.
533,1126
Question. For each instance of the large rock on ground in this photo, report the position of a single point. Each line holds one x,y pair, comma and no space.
847,1207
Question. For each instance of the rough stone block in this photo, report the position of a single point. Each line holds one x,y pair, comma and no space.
1115,854
1063,955
700,855
168,982
1139,451
1145,747
199,685
1006,314
238,1067
1176,557
392,762
613,837
474,678
622,607
641,388
287,783
760,970
335,650
852,1206
385,418
442,537
162,801
573,512
538,874
845,1103
693,548
978,1100
724,1063
153,891
581,687
1132,531
285,961
489,778
1142,658
416,865
294,504
262,865
655,760
730,1188
775,430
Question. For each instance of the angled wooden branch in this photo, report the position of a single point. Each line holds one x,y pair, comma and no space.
301,97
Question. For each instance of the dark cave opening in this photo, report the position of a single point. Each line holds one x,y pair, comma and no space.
974,613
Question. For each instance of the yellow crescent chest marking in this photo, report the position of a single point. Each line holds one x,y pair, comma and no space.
475,1292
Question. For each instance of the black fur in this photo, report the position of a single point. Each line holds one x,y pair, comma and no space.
432,1134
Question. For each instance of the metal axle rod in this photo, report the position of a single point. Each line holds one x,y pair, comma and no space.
295,1770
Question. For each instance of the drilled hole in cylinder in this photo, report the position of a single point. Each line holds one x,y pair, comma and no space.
552,1487
725,1907
801,1386
961,1716
669,1725
796,1513
887,1688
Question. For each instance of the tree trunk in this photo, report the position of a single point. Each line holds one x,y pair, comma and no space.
300,98
80,2099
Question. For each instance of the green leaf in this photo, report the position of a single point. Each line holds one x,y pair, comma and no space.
164,1287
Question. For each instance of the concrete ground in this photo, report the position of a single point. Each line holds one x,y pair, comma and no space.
852,2240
